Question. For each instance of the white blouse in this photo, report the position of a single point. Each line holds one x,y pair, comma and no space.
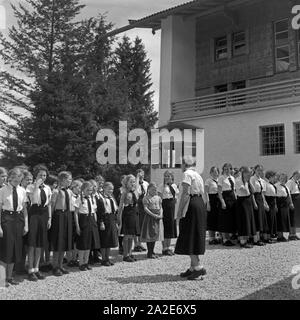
281,190
164,189
212,186
242,190
82,205
194,180
258,184
6,198
270,190
35,194
107,205
293,186
223,182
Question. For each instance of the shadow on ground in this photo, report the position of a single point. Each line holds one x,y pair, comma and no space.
281,290
159,278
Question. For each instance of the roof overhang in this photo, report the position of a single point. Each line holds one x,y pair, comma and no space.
189,9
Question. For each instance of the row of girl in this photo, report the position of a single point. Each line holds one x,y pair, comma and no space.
80,219
255,205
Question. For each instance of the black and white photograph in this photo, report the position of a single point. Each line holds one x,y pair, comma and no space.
149,152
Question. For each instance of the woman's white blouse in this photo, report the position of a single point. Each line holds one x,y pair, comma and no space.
6,198
258,184
281,191
224,183
194,180
166,192
270,190
242,190
212,186
82,205
292,186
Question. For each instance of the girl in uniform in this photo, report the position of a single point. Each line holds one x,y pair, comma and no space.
3,177
168,192
284,203
128,217
244,208
213,204
226,192
107,214
118,197
192,224
39,220
294,187
152,227
75,193
259,188
86,225
13,223
61,234
270,196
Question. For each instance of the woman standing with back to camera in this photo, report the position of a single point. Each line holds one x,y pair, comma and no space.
192,224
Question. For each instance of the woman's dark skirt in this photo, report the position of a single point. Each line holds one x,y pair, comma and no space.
109,236
295,214
169,222
37,225
192,229
271,215
61,231
11,243
141,212
130,221
283,214
89,235
245,217
213,214
227,217
260,216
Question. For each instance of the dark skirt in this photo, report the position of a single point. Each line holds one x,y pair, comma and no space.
271,215
227,217
109,236
213,214
295,214
141,212
61,234
260,216
11,244
130,221
169,222
283,215
245,217
37,225
151,230
89,235
192,229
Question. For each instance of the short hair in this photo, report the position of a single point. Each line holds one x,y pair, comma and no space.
225,165
15,172
64,175
99,177
170,173
214,168
86,185
152,185
295,173
3,170
269,174
26,174
127,179
38,168
140,171
75,183
108,184
189,160
282,174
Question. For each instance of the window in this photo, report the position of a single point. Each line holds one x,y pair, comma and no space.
221,101
282,48
221,49
297,137
272,140
239,43
239,98
221,88
298,46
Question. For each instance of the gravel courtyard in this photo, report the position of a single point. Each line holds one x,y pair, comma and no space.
232,273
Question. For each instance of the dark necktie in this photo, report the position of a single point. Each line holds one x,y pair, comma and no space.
112,205
231,183
89,205
250,187
15,199
43,196
298,185
261,187
172,190
67,199
286,190
274,187
143,190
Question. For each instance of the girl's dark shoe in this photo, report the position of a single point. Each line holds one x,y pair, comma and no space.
167,253
133,258
64,271
213,242
293,238
268,241
46,268
185,274
246,245
137,249
259,243
105,263
111,263
88,267
32,277
228,243
57,272
282,239
196,274
128,259
39,276
12,281
83,267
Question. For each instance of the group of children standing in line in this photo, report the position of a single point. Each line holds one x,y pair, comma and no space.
79,221
251,205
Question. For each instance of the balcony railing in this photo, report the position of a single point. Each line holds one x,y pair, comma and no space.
268,95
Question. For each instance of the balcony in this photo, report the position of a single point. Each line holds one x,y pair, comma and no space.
264,96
